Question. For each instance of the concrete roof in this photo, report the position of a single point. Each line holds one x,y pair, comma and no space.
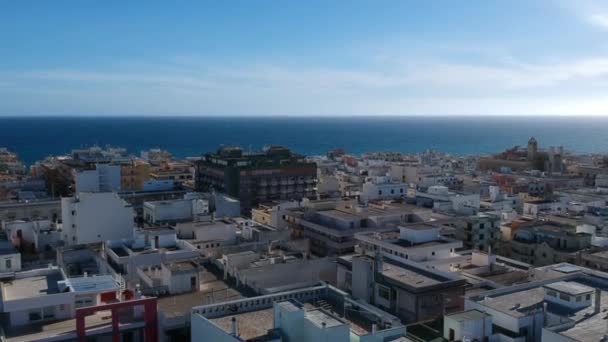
470,315
569,287
319,317
31,286
104,283
251,325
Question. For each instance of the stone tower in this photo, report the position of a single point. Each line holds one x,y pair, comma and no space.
532,149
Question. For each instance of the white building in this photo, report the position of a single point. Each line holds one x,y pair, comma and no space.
380,188
440,198
170,211
95,217
104,178
293,316
34,236
471,325
564,303
273,214
417,242
46,295
10,258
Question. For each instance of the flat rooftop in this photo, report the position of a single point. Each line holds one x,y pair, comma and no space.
411,277
211,290
516,304
251,325
182,266
100,322
318,317
31,286
468,315
87,284
569,287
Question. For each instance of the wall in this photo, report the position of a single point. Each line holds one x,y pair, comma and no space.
203,330
166,211
96,217
281,274
15,262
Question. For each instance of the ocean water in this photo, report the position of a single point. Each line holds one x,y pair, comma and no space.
36,138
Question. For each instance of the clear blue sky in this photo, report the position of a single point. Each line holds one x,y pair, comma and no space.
304,57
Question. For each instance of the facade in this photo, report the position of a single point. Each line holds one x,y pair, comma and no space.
547,243
172,211
253,178
133,175
272,214
331,225
382,188
406,289
416,242
10,258
95,217
479,232
104,178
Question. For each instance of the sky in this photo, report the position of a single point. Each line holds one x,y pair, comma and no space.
304,58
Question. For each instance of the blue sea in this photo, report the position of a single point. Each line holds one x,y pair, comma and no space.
35,138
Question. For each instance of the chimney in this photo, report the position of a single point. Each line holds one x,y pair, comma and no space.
598,300
235,327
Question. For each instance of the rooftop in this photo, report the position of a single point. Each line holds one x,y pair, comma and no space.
34,286
469,315
87,284
250,324
211,290
569,287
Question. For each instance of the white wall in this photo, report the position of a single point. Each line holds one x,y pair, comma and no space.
164,211
14,260
96,217
104,178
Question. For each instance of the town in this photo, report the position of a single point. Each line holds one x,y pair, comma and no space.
106,244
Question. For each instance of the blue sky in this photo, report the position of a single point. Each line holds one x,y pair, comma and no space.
516,57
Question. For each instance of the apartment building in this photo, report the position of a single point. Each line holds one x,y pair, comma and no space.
331,225
273,174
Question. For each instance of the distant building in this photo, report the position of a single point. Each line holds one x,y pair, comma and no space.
273,174
104,178
546,243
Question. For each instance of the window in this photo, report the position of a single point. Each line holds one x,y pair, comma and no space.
48,312
551,293
588,297
8,263
379,192
401,190
564,297
35,316
384,292
392,191
579,298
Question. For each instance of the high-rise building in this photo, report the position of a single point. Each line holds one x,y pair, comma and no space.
272,174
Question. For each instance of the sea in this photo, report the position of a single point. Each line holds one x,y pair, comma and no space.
34,138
